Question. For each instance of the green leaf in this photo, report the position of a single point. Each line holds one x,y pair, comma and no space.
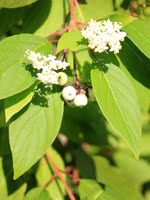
2,115
89,189
118,3
136,66
85,165
44,17
15,3
56,188
117,99
138,33
90,129
18,194
13,64
3,183
9,18
124,19
96,10
15,103
35,130
69,40
126,178
37,194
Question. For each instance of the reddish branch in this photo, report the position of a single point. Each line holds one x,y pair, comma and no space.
73,22
58,173
58,32
51,179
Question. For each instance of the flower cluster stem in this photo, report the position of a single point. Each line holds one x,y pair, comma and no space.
74,70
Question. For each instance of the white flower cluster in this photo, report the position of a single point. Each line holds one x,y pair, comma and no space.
48,67
104,35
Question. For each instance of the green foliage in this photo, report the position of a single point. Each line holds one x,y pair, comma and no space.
15,3
98,9
121,180
37,193
138,33
13,63
34,131
56,188
117,100
70,40
137,69
90,159
89,189
15,103
44,17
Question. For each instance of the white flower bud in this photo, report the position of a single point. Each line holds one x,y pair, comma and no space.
80,100
91,94
62,78
69,93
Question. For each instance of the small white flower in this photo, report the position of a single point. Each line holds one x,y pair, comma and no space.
48,66
69,93
80,100
104,36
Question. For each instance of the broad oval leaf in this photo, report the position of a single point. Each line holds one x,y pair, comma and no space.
96,9
136,66
44,17
37,193
15,3
69,40
18,194
89,189
13,63
15,103
139,34
124,19
33,132
118,102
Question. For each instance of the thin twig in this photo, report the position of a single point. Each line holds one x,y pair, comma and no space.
67,17
78,26
92,53
79,10
50,180
71,196
58,32
74,69
70,175
82,24
65,54
53,41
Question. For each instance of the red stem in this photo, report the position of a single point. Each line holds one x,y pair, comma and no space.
60,176
50,180
72,10
53,41
65,54
78,26
78,7
92,53
82,24
57,33
70,175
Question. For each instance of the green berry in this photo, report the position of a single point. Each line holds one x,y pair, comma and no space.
62,78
